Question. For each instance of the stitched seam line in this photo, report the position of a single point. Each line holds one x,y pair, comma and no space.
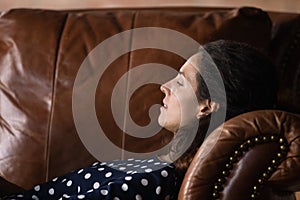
127,85
55,74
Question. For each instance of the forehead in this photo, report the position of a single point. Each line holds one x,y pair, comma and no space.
193,64
190,72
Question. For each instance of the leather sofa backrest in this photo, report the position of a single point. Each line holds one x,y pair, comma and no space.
41,52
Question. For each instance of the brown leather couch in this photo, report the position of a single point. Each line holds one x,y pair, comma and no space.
256,155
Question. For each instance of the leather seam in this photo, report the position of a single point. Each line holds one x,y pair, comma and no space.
127,84
55,73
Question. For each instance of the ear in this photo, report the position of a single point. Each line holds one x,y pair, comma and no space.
206,107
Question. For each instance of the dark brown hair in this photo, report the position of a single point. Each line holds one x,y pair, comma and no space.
250,84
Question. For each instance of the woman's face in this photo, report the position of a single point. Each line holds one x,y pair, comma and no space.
180,104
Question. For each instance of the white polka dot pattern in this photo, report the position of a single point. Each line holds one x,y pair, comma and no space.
148,170
124,187
51,191
87,176
147,178
138,197
96,185
37,188
69,183
144,182
104,192
158,190
101,169
108,174
164,173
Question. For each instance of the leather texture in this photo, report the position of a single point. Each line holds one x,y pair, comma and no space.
209,162
41,52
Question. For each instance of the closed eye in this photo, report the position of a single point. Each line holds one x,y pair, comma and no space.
179,83
180,78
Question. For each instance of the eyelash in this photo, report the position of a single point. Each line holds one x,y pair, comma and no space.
180,84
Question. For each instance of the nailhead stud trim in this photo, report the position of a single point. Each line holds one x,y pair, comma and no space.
218,186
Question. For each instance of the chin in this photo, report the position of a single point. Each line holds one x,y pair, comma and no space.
161,121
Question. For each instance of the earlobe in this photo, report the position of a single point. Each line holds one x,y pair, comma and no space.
214,106
206,107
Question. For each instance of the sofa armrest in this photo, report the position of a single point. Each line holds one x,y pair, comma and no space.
255,156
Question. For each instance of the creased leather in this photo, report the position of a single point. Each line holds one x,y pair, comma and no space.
41,52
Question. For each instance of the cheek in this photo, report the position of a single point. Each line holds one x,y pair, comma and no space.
176,104
174,109
188,106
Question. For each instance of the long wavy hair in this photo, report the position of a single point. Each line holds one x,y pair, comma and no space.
250,84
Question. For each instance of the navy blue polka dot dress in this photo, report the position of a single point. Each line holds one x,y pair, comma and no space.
133,179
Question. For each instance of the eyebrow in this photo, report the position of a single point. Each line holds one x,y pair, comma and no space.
181,73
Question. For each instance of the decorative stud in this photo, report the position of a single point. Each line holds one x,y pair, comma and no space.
265,175
229,166
238,153
265,139
283,147
281,140
218,187
221,180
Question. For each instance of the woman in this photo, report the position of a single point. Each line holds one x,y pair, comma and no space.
191,99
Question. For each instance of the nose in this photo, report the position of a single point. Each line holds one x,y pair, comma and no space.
165,89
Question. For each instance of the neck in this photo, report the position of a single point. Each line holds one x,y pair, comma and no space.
182,140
